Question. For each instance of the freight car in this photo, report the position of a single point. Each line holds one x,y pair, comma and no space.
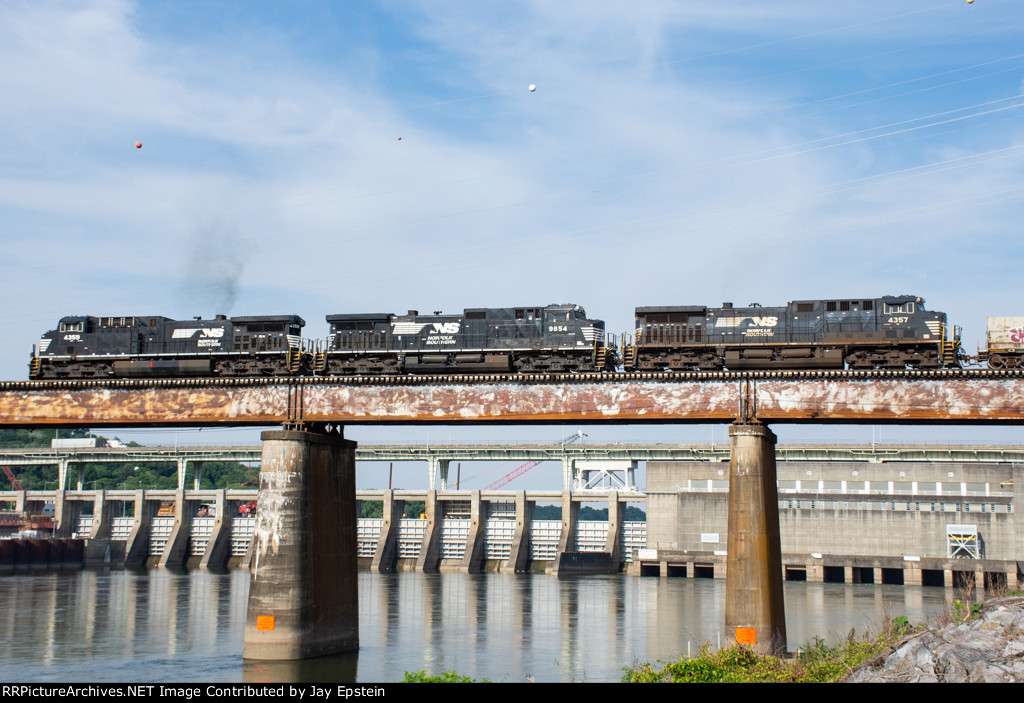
892,332
1004,343
125,347
477,340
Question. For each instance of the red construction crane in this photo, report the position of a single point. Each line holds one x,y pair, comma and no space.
15,484
522,469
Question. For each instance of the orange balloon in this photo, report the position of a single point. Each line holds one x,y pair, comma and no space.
138,145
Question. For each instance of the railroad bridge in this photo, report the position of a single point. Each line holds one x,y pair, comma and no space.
300,607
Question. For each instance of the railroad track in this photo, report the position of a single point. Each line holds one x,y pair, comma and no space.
523,378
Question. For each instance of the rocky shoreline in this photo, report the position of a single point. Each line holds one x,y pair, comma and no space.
982,647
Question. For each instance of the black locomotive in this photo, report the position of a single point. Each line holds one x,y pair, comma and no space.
477,340
120,347
890,332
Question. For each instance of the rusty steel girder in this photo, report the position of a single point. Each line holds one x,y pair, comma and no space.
277,402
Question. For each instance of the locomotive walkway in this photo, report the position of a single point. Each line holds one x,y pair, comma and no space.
300,608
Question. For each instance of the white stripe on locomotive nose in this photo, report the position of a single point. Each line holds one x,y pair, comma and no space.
408,327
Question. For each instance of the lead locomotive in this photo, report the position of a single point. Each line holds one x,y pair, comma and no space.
890,332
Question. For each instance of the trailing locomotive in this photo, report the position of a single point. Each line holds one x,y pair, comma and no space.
152,346
890,332
477,340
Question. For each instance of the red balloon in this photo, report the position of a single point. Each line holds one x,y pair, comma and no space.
138,145
399,139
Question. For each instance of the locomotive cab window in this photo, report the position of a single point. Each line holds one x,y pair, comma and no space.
905,308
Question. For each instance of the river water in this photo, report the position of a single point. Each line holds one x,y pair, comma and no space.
157,626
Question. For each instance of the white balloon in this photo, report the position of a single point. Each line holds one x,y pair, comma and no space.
533,88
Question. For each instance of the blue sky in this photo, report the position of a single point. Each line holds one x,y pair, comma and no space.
326,157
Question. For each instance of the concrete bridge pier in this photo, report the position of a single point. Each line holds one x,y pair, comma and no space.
754,608
302,588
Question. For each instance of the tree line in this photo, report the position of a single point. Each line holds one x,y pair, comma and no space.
157,474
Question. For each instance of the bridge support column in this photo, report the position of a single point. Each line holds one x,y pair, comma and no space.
519,556
62,473
754,607
182,467
434,464
302,590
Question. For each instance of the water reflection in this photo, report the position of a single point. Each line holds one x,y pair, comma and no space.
157,626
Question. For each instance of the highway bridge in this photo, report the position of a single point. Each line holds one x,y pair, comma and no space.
439,456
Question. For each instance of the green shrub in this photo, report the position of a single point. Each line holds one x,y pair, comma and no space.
815,662
444,677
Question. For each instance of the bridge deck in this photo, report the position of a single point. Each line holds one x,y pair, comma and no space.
953,396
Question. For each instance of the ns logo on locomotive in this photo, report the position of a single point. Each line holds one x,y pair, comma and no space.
892,332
